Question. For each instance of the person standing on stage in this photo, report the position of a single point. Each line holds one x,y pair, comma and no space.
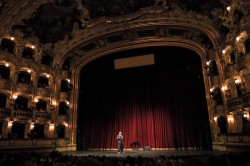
120,142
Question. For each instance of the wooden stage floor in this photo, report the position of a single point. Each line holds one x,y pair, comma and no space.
146,153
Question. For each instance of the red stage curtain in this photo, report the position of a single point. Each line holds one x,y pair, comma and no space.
158,106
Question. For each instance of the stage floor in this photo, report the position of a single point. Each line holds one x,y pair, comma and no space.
147,153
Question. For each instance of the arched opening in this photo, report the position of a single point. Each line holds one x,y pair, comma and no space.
46,59
63,108
24,77
7,45
42,82
247,46
4,72
222,123
41,105
3,99
66,64
17,130
37,131
61,131
28,53
153,104
21,103
65,86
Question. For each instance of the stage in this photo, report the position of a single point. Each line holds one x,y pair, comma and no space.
143,153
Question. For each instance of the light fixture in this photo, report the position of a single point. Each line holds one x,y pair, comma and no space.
228,8
224,88
223,51
29,70
32,46
6,64
237,81
47,75
215,118
230,118
68,80
32,126
14,97
10,123
12,38
238,39
51,126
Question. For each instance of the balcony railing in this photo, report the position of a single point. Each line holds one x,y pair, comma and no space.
25,88
23,114
45,92
246,100
234,104
42,115
5,84
5,112
27,142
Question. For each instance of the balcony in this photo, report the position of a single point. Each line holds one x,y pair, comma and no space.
243,61
43,116
5,84
24,88
4,112
246,100
230,70
234,104
64,96
44,92
215,80
33,143
23,114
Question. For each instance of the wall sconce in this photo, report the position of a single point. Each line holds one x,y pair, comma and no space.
32,46
230,118
68,80
54,103
32,126
10,123
47,75
67,102
223,51
215,118
12,38
29,70
6,64
66,124
14,97
224,88
36,100
51,126
238,39
237,81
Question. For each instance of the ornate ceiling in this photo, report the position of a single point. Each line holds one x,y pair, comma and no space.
54,20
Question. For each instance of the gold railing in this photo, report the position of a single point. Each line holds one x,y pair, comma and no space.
27,142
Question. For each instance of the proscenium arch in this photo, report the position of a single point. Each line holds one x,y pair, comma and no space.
77,67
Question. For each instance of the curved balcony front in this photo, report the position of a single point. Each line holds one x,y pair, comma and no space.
24,88
5,84
44,92
4,113
23,114
234,104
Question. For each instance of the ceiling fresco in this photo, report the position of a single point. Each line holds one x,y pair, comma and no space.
55,21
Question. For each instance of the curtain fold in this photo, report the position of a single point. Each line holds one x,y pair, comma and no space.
159,106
